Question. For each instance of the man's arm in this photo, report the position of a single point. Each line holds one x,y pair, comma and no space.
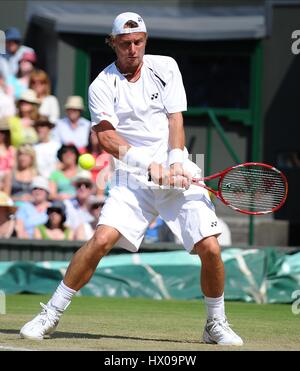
118,147
110,140
176,131
176,155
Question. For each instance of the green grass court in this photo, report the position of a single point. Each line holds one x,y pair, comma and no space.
141,324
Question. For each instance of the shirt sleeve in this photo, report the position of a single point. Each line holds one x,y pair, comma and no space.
22,212
101,103
174,92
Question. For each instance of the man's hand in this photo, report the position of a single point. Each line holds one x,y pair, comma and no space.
176,176
159,174
181,178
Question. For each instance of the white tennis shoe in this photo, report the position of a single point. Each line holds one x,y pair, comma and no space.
43,324
218,331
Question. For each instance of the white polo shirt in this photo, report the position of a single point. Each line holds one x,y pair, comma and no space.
138,111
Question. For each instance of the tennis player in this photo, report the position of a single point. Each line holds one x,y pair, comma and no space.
136,106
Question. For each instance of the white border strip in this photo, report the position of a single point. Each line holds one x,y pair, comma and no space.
8,347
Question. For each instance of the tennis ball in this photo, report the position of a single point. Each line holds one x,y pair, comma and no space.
86,161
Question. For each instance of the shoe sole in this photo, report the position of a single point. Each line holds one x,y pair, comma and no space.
208,340
28,337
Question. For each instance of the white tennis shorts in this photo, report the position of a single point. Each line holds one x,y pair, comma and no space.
131,207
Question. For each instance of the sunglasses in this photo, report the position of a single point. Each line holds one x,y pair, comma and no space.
85,185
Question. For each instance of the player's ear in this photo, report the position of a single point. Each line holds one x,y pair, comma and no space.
110,40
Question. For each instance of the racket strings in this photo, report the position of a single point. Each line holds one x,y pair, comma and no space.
254,189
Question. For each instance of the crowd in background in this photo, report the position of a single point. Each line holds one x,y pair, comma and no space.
44,194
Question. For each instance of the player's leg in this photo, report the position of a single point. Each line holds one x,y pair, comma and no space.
212,271
196,226
217,329
78,274
86,259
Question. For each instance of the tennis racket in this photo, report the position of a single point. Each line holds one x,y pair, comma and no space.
249,188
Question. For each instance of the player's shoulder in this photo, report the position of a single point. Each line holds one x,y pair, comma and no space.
105,78
159,62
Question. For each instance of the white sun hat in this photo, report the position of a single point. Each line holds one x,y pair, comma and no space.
120,21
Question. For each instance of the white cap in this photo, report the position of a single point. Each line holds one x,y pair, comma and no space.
123,18
40,182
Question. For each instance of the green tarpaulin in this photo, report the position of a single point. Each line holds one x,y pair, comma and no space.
262,276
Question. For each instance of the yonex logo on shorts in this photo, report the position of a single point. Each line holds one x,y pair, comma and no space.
2,42
154,96
214,224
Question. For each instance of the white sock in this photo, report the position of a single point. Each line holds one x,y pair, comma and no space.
61,298
215,306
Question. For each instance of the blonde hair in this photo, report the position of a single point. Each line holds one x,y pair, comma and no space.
27,149
34,114
43,76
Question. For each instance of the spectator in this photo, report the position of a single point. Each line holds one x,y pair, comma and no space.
18,84
78,207
7,151
46,149
40,83
73,128
7,217
4,69
21,126
54,229
7,105
61,181
7,157
153,232
32,214
85,230
23,174
14,49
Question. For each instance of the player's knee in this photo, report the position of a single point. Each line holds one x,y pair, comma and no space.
101,243
208,248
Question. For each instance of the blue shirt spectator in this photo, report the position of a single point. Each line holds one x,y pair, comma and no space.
31,217
14,49
153,232
32,214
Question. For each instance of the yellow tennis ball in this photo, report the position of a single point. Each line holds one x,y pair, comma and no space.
86,161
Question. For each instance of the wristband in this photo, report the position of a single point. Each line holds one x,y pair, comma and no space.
175,155
136,158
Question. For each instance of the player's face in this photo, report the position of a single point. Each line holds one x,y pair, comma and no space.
130,49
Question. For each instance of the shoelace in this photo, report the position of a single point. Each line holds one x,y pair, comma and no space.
222,323
48,314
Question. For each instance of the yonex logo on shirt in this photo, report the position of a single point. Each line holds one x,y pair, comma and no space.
154,96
